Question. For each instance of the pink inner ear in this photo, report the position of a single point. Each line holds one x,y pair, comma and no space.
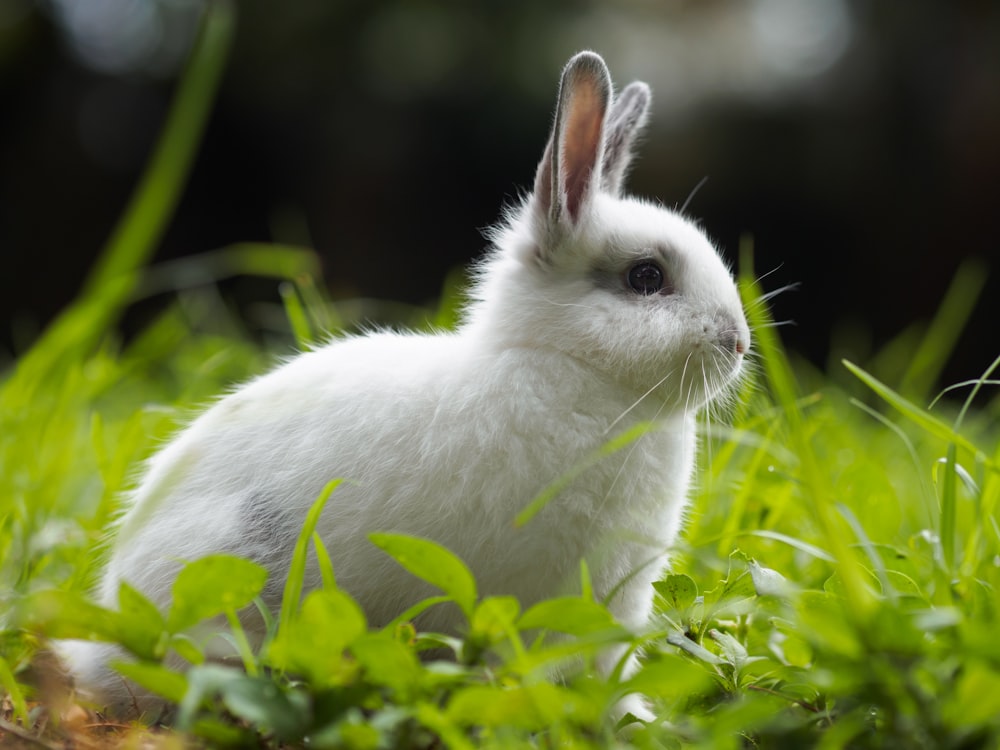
581,143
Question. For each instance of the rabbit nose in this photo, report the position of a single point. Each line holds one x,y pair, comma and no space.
742,342
731,342
732,338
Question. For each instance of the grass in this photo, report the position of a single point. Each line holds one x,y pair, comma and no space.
836,587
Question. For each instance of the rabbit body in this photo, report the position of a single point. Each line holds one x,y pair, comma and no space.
566,343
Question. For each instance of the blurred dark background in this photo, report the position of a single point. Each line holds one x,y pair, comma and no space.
857,143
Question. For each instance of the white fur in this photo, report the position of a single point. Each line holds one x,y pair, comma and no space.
449,436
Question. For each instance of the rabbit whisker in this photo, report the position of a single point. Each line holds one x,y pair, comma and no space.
777,324
768,273
693,193
638,401
793,287
624,462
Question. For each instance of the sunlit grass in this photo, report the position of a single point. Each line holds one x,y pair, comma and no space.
836,586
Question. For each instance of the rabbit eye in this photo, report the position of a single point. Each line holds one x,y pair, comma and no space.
645,278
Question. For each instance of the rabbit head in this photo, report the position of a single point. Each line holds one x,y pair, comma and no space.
628,286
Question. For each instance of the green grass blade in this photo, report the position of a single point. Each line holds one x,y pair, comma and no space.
113,280
325,564
266,260
159,190
784,388
242,643
297,570
611,447
937,345
321,311
947,526
983,380
914,413
976,384
810,549
296,313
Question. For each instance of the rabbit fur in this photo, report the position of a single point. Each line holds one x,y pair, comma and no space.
567,341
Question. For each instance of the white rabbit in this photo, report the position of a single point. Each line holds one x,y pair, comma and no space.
593,312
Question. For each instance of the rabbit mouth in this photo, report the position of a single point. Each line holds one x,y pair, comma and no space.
711,370
734,342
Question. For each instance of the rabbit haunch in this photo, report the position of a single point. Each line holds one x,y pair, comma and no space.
593,312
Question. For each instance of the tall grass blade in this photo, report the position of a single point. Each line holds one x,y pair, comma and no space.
937,345
296,313
113,279
155,198
983,380
325,564
948,510
918,416
266,260
782,383
295,582
609,448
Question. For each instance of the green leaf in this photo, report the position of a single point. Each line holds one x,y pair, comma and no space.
387,663
696,650
529,707
313,643
211,586
732,596
433,563
791,649
733,652
972,700
143,627
67,614
442,725
351,731
155,678
204,681
494,619
266,706
220,733
824,625
492,622
568,614
678,591
187,648
411,613
671,678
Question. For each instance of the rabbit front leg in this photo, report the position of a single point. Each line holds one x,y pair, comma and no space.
632,609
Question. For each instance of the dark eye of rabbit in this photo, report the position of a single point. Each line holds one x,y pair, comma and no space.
645,278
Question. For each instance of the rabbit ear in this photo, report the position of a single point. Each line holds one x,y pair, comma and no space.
627,118
570,170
